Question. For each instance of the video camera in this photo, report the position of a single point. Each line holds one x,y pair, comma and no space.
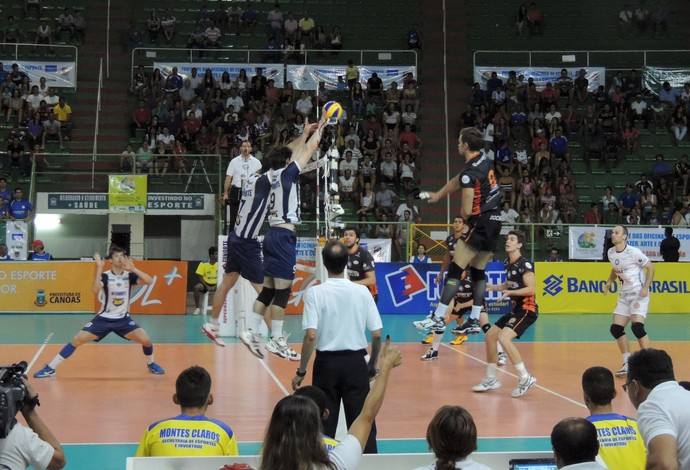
12,395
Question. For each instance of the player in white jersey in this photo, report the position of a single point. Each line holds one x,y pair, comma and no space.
635,272
243,258
280,241
114,315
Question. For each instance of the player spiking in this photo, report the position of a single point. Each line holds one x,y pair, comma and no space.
635,272
480,204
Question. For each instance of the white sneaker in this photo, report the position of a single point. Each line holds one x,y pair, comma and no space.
280,348
196,311
212,332
523,386
252,343
488,383
502,359
288,353
430,323
622,372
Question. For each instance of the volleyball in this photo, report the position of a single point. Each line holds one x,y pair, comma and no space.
333,110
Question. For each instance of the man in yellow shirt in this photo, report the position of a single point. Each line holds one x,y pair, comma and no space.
208,277
190,434
306,28
63,113
620,444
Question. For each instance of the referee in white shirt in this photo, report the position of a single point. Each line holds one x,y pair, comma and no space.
336,316
238,171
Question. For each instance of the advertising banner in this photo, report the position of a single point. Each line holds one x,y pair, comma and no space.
66,286
587,242
184,69
579,288
654,77
17,239
57,74
541,75
127,193
307,77
50,286
410,289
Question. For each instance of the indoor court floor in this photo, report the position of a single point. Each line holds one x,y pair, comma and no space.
103,397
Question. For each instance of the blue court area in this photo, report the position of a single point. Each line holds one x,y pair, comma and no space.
27,330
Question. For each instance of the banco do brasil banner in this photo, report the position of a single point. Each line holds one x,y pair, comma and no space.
578,287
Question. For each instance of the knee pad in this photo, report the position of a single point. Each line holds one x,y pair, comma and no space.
454,271
486,328
638,330
449,289
281,297
617,331
266,295
477,274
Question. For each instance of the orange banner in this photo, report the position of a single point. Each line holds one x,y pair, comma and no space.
46,286
66,286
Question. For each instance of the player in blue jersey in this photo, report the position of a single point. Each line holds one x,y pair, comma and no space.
244,257
114,315
280,241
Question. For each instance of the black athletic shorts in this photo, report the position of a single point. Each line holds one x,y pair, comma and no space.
484,231
517,320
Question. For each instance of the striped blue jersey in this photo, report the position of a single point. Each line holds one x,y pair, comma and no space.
252,211
116,290
284,205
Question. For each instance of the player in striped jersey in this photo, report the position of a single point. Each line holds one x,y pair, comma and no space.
520,287
280,241
636,272
115,285
244,257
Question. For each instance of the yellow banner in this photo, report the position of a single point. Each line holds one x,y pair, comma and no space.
579,288
127,193
50,286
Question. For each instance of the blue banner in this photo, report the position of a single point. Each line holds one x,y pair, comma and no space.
410,289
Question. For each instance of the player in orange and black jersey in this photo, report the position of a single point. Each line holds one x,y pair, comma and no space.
520,287
480,208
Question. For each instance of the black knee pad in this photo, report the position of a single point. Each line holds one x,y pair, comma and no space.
450,288
486,328
266,295
638,329
454,271
477,274
281,298
617,331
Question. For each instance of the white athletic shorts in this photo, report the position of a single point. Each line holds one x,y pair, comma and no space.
630,303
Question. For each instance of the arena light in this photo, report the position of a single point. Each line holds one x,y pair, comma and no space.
47,221
568,58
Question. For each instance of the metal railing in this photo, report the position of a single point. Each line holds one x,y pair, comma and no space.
624,59
88,172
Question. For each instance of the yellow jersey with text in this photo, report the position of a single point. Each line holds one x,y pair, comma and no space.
187,436
620,444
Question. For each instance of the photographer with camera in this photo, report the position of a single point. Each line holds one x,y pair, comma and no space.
23,446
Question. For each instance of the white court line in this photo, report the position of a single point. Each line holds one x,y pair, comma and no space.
38,353
515,376
273,376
